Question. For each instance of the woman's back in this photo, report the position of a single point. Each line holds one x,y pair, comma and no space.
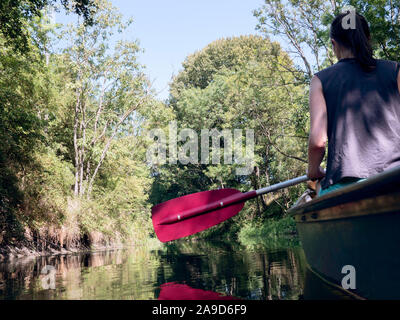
363,115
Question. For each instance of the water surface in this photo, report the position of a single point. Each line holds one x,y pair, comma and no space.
201,270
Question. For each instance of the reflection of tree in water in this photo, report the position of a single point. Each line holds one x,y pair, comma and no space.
139,273
231,271
118,274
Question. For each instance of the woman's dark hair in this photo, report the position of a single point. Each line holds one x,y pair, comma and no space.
357,39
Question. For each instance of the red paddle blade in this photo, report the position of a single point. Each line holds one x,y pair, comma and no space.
186,227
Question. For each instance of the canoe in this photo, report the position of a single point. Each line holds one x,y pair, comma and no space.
356,226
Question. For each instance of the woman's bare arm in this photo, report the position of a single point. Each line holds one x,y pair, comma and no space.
318,129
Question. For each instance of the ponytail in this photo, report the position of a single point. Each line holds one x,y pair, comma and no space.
357,39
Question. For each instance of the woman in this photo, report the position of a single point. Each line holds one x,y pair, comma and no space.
355,106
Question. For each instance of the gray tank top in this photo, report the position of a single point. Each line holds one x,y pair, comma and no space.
363,119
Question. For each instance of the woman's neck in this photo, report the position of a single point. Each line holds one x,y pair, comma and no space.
346,54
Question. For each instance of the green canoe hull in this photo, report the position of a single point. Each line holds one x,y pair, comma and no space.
357,226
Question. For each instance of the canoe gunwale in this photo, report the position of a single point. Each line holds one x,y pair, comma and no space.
383,186
383,204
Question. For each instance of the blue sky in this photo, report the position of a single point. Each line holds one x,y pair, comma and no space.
170,30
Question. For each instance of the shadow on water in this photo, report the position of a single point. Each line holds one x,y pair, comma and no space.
182,270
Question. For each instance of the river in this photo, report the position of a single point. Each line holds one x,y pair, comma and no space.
186,270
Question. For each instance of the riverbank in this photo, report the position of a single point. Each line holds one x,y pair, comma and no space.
81,230
35,244
26,249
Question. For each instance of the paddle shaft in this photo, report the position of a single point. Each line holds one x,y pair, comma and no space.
282,185
239,197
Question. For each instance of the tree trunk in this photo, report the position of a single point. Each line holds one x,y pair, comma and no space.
264,206
76,148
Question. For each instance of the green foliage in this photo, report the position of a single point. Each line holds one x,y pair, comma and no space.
10,198
20,130
38,97
270,234
250,90
230,53
108,87
240,83
384,21
47,186
304,27
120,206
15,16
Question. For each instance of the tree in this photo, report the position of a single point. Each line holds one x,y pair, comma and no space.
15,16
384,21
304,27
245,82
109,87
20,129
97,94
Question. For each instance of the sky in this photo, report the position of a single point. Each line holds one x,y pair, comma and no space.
168,31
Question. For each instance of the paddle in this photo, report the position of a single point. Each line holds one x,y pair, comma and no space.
190,214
